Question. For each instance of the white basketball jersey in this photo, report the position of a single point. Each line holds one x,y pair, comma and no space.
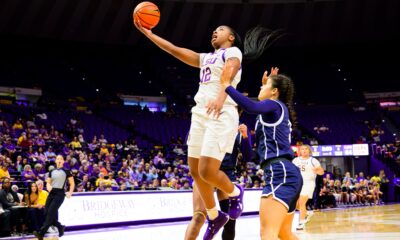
306,167
211,66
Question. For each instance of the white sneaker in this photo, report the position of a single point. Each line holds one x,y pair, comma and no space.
52,229
308,216
301,226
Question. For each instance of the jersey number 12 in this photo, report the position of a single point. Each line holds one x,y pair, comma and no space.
205,75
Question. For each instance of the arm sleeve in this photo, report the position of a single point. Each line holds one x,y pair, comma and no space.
250,106
245,148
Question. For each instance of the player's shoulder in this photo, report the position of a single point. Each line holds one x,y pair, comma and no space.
233,49
66,171
314,159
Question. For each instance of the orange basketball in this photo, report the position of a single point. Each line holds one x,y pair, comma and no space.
147,13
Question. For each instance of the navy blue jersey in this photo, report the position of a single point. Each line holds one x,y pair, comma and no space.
273,138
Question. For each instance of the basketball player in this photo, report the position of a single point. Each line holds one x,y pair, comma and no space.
228,166
273,134
309,168
56,184
215,117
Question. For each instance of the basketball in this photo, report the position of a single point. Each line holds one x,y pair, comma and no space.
147,13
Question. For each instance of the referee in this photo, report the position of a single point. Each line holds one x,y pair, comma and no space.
55,185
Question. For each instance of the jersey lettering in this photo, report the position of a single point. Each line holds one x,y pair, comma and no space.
206,75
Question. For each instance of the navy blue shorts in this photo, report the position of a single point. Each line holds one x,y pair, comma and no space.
283,181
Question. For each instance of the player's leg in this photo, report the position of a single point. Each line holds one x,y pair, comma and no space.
228,232
199,216
219,139
303,211
284,183
286,228
272,216
210,173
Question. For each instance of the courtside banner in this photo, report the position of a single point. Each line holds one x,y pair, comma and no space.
135,206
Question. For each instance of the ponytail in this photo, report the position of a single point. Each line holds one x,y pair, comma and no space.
256,41
285,87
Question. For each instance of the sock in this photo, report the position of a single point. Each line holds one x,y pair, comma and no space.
236,192
212,213
229,229
224,205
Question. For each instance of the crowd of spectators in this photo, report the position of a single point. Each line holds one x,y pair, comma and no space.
347,190
28,149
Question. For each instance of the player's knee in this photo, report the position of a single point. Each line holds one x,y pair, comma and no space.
195,174
199,219
207,173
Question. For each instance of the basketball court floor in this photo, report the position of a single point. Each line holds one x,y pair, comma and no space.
380,222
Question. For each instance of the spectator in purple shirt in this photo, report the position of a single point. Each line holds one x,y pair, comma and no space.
39,171
360,177
40,141
28,174
158,159
9,146
169,174
41,157
50,155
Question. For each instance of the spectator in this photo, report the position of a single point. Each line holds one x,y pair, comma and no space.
15,189
28,174
360,177
4,171
17,125
50,155
169,174
384,186
75,144
186,185
245,179
35,210
8,199
347,177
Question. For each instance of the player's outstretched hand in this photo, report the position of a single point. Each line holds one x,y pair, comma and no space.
139,26
274,71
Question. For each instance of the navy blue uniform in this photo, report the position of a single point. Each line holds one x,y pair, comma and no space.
273,128
228,165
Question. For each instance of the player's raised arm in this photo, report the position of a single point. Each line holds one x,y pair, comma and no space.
185,55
